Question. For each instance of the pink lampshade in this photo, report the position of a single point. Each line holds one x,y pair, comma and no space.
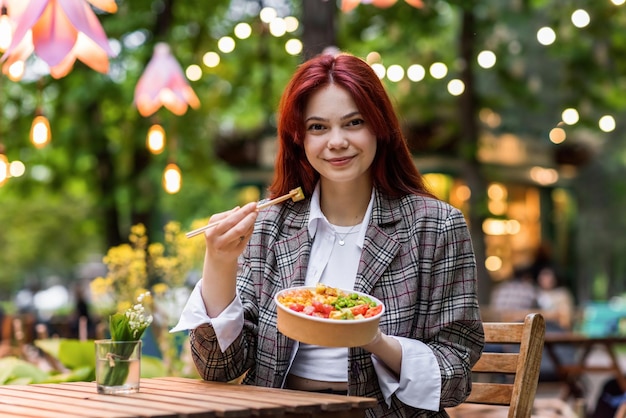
163,83
383,4
348,5
15,9
416,3
59,32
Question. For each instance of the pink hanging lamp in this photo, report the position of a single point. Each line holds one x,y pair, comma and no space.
348,5
163,83
59,32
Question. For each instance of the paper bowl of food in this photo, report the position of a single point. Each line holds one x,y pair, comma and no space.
328,316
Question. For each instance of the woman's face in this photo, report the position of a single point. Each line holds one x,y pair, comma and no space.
338,143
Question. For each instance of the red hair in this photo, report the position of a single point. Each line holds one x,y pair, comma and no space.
393,170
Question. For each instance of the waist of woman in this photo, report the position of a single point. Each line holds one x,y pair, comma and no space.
311,385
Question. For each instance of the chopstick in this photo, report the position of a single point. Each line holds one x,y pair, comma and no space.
295,195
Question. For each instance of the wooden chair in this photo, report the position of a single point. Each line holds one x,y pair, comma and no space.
522,366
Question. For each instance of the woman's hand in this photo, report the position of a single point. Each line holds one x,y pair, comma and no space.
387,349
224,243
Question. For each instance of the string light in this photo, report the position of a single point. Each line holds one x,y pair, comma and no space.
456,87
211,59
546,36
395,73
226,44
486,59
155,140
15,71
4,167
438,70
172,179
293,46
243,30
607,123
40,134
6,31
16,168
557,135
570,116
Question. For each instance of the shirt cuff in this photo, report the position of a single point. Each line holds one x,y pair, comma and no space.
227,325
419,390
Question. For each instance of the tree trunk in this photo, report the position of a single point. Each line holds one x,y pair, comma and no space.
470,132
318,26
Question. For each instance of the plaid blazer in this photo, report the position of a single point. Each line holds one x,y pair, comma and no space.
417,259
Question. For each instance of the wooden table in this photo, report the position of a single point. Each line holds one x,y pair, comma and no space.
175,397
569,373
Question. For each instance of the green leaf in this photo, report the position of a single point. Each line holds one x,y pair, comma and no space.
76,354
13,369
71,353
21,381
81,374
49,346
120,330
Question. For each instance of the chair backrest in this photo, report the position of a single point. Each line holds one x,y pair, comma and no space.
513,349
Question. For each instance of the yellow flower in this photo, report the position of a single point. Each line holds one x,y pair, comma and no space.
134,267
173,260
160,289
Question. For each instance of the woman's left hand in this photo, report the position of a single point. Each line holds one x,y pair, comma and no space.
387,349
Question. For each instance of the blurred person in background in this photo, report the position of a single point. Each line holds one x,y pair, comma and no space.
556,304
555,300
519,293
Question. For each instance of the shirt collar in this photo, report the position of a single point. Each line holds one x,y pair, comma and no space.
316,216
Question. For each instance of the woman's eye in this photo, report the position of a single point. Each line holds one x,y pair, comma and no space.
315,127
356,122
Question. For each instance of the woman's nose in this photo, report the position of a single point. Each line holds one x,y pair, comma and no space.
336,139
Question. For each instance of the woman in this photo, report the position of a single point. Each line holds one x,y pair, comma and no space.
555,300
367,223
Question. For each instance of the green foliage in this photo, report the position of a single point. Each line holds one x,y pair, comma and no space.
14,371
40,235
73,354
78,357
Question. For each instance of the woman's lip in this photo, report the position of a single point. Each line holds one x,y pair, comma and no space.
341,160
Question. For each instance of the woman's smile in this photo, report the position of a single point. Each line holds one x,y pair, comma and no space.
340,161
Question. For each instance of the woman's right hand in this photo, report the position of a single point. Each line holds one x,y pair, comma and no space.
224,243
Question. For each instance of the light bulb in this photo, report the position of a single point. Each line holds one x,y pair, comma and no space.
16,71
155,140
6,31
4,169
172,178
40,131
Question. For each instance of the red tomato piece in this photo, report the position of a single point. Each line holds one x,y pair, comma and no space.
359,310
373,311
322,307
298,307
